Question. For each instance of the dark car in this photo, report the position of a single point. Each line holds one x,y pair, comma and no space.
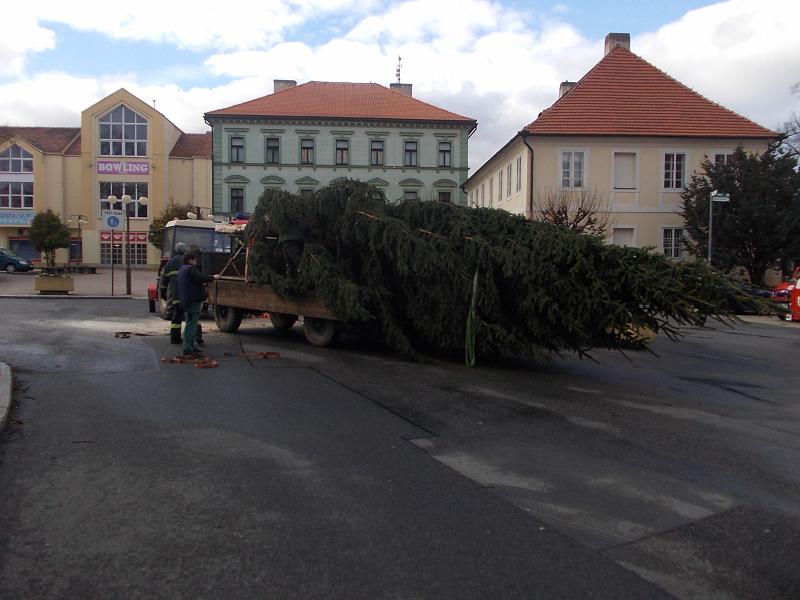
750,299
11,263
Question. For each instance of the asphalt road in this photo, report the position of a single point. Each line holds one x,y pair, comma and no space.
346,473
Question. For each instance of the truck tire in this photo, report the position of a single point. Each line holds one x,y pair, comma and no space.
320,332
282,321
228,318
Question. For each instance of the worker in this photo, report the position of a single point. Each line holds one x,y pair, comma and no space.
169,292
192,294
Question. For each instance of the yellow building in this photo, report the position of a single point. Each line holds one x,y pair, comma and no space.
123,147
627,136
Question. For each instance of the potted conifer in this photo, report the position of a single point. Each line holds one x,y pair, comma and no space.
47,234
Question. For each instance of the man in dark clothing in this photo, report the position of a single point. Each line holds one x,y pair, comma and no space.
191,294
169,292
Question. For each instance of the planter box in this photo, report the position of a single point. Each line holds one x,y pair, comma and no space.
45,284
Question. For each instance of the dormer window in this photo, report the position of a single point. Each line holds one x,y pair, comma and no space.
123,132
16,159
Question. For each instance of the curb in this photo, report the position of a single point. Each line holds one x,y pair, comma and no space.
5,394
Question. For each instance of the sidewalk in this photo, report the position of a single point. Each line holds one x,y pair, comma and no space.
86,284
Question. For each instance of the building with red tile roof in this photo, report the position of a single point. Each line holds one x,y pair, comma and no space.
303,137
626,133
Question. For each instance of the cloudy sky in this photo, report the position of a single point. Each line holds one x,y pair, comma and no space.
499,61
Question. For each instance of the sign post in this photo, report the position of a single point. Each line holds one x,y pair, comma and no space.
112,219
715,196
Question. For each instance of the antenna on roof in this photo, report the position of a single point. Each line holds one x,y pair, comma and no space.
397,70
154,103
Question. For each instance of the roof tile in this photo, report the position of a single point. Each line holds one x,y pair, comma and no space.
192,145
51,140
625,95
343,101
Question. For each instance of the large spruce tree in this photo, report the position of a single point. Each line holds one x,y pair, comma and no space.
760,226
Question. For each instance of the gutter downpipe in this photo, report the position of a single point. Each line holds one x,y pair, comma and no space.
530,175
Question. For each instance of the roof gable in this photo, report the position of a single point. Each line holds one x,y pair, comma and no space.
625,95
322,99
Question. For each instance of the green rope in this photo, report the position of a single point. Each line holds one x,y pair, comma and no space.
469,348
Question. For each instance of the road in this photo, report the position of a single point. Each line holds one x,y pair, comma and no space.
347,473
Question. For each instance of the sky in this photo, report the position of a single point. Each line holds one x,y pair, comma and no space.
499,62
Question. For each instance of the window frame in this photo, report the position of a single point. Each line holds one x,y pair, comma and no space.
410,155
116,120
307,150
445,155
273,152
669,181
22,191
568,169
635,182
676,249
373,157
237,189
519,173
508,180
135,189
236,154
23,157
341,152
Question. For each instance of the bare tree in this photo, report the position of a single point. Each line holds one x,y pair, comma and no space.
790,144
585,211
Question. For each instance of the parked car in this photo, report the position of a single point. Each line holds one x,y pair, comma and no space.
741,304
11,263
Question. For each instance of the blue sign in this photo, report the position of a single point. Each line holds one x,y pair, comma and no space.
16,217
113,222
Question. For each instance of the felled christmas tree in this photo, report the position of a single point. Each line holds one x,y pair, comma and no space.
442,278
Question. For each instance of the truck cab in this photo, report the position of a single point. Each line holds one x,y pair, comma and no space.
198,235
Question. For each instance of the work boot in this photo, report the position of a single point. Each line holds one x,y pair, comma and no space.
175,338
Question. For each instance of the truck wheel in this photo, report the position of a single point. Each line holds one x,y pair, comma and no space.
228,318
282,321
320,332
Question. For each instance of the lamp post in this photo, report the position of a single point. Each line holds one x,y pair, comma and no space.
715,196
126,201
81,220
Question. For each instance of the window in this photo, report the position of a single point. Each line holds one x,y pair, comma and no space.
237,149
410,195
307,151
273,153
508,180
123,133
721,160
376,153
622,236
342,152
572,169
624,170
410,155
672,241
445,151
117,251
519,173
306,193
237,200
483,194
674,169
500,185
135,190
15,159
491,192
446,196
16,194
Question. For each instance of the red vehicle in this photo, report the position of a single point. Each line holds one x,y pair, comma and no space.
794,302
782,292
197,235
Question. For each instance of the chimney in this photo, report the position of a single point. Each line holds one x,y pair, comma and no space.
617,39
565,87
282,84
403,88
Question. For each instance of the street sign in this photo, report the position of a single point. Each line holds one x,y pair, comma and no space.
720,196
113,219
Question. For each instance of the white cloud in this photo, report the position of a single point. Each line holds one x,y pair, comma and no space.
473,57
21,36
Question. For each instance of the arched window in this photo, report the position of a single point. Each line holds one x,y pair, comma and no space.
123,133
15,159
